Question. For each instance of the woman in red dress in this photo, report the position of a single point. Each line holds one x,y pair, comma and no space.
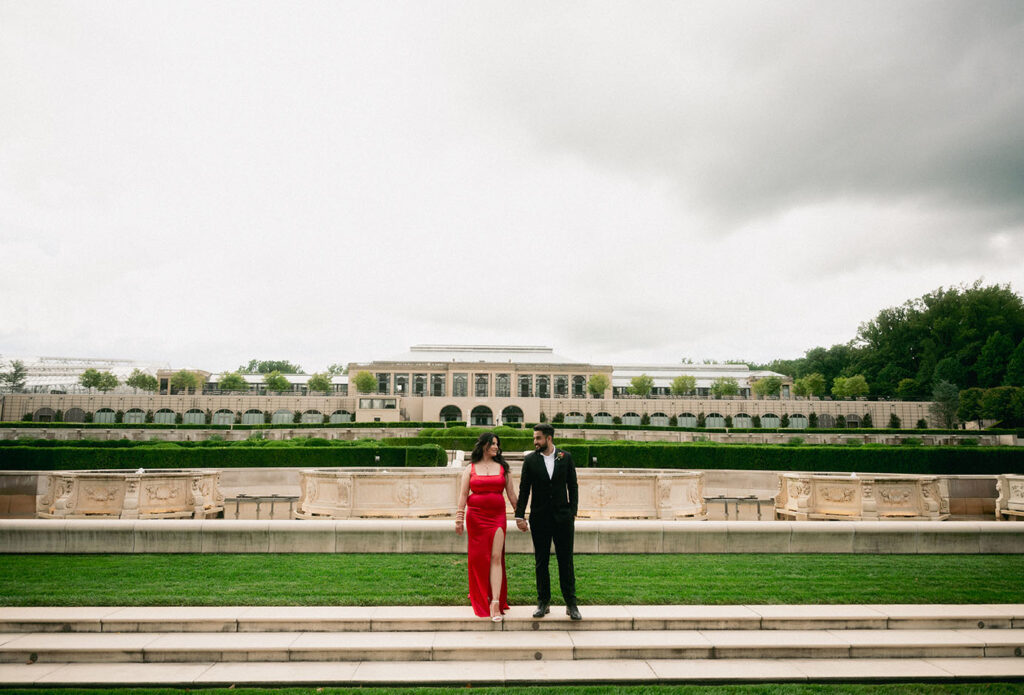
481,490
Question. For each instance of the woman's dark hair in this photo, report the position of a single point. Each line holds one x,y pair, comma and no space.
482,443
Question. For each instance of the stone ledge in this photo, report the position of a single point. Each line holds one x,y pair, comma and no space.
433,536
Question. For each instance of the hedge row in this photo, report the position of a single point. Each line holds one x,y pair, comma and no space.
862,459
73,458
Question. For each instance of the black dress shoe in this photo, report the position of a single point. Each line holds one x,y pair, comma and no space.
542,609
573,612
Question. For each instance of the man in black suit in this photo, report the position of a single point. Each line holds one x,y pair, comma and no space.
550,474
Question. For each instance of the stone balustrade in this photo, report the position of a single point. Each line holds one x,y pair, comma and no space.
1010,502
804,496
409,493
155,494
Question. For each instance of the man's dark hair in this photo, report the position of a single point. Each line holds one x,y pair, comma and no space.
545,429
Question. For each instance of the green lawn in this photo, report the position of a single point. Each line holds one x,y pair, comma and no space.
760,689
383,579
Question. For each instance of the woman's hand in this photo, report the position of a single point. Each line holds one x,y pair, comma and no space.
459,526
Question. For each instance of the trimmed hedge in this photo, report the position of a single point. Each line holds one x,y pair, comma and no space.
861,459
161,426
24,458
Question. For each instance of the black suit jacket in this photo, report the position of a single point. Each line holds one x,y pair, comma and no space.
558,496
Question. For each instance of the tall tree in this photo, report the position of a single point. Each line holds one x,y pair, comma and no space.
768,386
683,384
107,382
267,366
811,385
232,381
945,402
725,386
365,382
184,380
999,404
142,381
90,378
597,385
275,381
641,385
1015,367
970,404
993,360
16,377
320,381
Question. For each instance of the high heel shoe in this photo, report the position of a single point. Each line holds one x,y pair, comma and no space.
495,618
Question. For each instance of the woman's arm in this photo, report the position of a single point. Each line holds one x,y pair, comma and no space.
460,510
513,498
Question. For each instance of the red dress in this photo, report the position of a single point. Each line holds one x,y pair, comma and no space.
485,514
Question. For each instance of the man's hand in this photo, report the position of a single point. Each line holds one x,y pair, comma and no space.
521,525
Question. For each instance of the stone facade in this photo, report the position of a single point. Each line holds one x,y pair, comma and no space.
160,494
804,496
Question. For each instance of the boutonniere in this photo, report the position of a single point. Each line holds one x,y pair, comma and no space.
560,456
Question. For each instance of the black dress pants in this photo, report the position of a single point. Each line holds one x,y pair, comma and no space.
544,530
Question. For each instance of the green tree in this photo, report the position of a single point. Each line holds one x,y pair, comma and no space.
812,421
320,381
184,380
90,379
970,404
894,421
337,369
232,381
866,422
908,390
811,385
683,385
856,386
998,404
1015,367
142,381
107,382
768,386
268,366
945,401
16,377
949,369
993,360
641,385
276,382
597,385
724,386
365,382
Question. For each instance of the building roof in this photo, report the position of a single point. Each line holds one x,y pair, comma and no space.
515,354
705,374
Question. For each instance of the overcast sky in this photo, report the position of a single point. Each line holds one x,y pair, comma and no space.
207,182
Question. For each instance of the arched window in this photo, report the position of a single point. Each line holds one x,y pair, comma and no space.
826,421
603,418
630,419
482,416
798,421
194,417
512,413
502,386
659,420
223,417
74,415
714,420
282,417
104,416
853,420
313,417
43,415
742,420
769,420
687,420
451,413
135,416
164,416
574,418
543,387
253,416
525,386
579,386
339,416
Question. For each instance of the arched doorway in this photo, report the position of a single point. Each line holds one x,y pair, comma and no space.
482,416
512,413
451,413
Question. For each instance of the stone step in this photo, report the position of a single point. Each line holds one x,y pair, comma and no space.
463,673
460,618
557,645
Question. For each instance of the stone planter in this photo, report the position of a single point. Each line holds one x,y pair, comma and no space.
1010,503
871,496
411,493
157,494
641,494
